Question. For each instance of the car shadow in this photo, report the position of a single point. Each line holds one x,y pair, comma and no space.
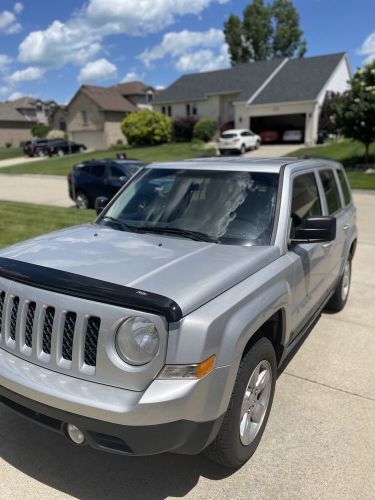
85,473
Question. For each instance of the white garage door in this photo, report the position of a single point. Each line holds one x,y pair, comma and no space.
92,140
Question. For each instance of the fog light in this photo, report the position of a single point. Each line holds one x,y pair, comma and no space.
75,434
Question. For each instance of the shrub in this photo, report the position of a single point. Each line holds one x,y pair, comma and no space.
147,128
40,130
183,128
56,134
8,145
204,129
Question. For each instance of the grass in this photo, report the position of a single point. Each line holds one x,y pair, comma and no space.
62,166
21,221
351,155
6,153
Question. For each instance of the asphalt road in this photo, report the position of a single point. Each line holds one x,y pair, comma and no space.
319,442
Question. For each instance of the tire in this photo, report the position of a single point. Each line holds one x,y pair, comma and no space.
339,298
232,446
222,152
82,201
60,152
40,153
243,149
257,145
82,150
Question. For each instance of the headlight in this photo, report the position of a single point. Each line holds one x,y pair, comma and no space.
137,341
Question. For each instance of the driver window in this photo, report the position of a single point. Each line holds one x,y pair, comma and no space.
115,173
305,199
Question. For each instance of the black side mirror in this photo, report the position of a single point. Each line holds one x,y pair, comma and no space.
315,230
100,203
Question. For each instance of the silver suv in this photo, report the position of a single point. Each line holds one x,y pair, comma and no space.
161,326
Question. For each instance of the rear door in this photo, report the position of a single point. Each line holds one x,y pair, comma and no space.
115,178
309,260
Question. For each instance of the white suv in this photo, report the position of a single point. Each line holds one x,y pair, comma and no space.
238,140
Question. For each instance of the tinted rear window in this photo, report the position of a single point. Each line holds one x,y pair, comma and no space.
331,191
228,136
344,187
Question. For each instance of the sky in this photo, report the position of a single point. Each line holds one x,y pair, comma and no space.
49,48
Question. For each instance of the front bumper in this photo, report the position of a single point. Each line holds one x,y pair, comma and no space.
179,415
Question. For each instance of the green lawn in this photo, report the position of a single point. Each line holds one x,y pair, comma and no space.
350,154
62,166
6,153
21,221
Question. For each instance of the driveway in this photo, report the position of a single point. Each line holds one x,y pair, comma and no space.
43,189
10,162
319,442
273,150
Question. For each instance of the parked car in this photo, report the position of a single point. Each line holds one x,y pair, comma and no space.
62,147
238,141
268,136
293,136
36,147
162,325
91,179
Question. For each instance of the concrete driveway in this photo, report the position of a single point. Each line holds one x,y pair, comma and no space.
273,150
319,442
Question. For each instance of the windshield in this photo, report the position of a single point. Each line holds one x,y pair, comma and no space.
225,207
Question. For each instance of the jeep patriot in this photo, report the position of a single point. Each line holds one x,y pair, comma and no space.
161,326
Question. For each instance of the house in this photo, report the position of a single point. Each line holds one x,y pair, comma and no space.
94,114
278,94
18,116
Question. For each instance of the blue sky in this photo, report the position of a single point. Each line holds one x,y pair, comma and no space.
47,49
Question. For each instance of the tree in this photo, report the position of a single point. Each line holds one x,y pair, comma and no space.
354,111
266,31
325,122
287,36
257,31
40,130
204,129
147,127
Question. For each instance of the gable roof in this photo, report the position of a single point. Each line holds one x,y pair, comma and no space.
8,113
243,79
108,99
299,79
290,80
132,88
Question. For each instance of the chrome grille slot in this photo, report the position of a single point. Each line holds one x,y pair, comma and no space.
29,324
47,329
68,335
91,340
13,317
2,298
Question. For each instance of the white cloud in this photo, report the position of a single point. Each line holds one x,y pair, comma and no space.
203,60
25,75
190,50
368,48
58,45
80,38
133,76
4,91
15,95
100,69
9,23
4,61
18,7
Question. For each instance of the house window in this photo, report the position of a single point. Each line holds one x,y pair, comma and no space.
169,110
195,109
188,110
84,118
163,110
62,125
39,107
149,97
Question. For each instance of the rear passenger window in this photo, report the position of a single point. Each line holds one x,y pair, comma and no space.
305,198
97,170
331,191
344,187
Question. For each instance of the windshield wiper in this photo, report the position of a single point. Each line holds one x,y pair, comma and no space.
185,233
122,225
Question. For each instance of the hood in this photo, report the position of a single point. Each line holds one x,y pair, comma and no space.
189,272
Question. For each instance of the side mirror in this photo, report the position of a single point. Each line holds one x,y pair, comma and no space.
100,203
315,230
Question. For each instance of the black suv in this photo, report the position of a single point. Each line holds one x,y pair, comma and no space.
90,179
50,147
36,147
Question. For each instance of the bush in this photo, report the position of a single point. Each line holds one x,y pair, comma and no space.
40,130
204,129
183,128
147,128
56,134
8,145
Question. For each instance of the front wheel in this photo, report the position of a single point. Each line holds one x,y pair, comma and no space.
60,152
82,201
339,298
249,408
243,149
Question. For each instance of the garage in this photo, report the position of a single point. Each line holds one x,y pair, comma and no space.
274,128
91,139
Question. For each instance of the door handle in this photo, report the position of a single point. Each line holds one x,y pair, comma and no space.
346,227
327,245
